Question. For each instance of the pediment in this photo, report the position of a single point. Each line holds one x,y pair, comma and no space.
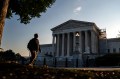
70,24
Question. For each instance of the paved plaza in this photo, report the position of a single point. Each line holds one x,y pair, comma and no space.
97,69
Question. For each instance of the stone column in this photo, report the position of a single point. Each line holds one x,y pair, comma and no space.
53,44
58,37
74,41
86,41
92,41
68,44
96,44
80,42
63,38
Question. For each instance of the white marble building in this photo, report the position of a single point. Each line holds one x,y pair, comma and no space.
74,36
79,39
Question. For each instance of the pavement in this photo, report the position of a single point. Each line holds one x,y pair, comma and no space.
96,69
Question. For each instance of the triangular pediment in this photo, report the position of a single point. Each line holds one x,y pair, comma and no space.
70,24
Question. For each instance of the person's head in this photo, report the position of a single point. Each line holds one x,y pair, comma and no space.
35,35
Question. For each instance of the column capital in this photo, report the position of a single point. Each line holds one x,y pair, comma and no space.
53,35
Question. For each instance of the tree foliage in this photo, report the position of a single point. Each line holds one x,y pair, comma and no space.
25,9
28,9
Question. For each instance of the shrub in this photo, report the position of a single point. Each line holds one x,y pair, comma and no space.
108,60
9,55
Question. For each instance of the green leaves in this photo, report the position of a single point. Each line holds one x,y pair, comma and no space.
28,9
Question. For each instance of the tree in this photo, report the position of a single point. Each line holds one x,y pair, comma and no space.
25,9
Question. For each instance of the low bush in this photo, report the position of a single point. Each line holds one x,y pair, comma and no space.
108,60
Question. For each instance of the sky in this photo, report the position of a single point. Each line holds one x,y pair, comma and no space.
104,13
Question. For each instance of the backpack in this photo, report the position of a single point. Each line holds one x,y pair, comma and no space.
29,45
32,45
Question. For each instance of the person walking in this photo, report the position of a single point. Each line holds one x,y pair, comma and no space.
34,48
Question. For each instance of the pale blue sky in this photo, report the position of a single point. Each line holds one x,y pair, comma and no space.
105,13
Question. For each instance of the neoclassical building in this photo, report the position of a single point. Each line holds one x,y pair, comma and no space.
73,36
79,39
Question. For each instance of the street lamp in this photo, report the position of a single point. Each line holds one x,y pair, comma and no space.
76,52
77,34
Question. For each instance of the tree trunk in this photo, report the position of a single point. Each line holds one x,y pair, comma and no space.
3,12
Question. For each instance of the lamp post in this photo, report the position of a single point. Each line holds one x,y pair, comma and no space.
77,44
78,55
77,34
76,52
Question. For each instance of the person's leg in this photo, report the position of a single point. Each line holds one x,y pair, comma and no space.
33,57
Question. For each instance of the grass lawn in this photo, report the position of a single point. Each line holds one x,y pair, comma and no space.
17,71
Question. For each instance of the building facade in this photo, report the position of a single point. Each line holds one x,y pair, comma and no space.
79,39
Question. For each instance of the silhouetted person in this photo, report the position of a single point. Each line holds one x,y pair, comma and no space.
34,48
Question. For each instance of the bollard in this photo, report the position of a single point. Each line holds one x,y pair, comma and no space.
55,62
44,62
77,62
66,62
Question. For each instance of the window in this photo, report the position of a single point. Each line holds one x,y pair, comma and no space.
114,50
50,53
108,50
